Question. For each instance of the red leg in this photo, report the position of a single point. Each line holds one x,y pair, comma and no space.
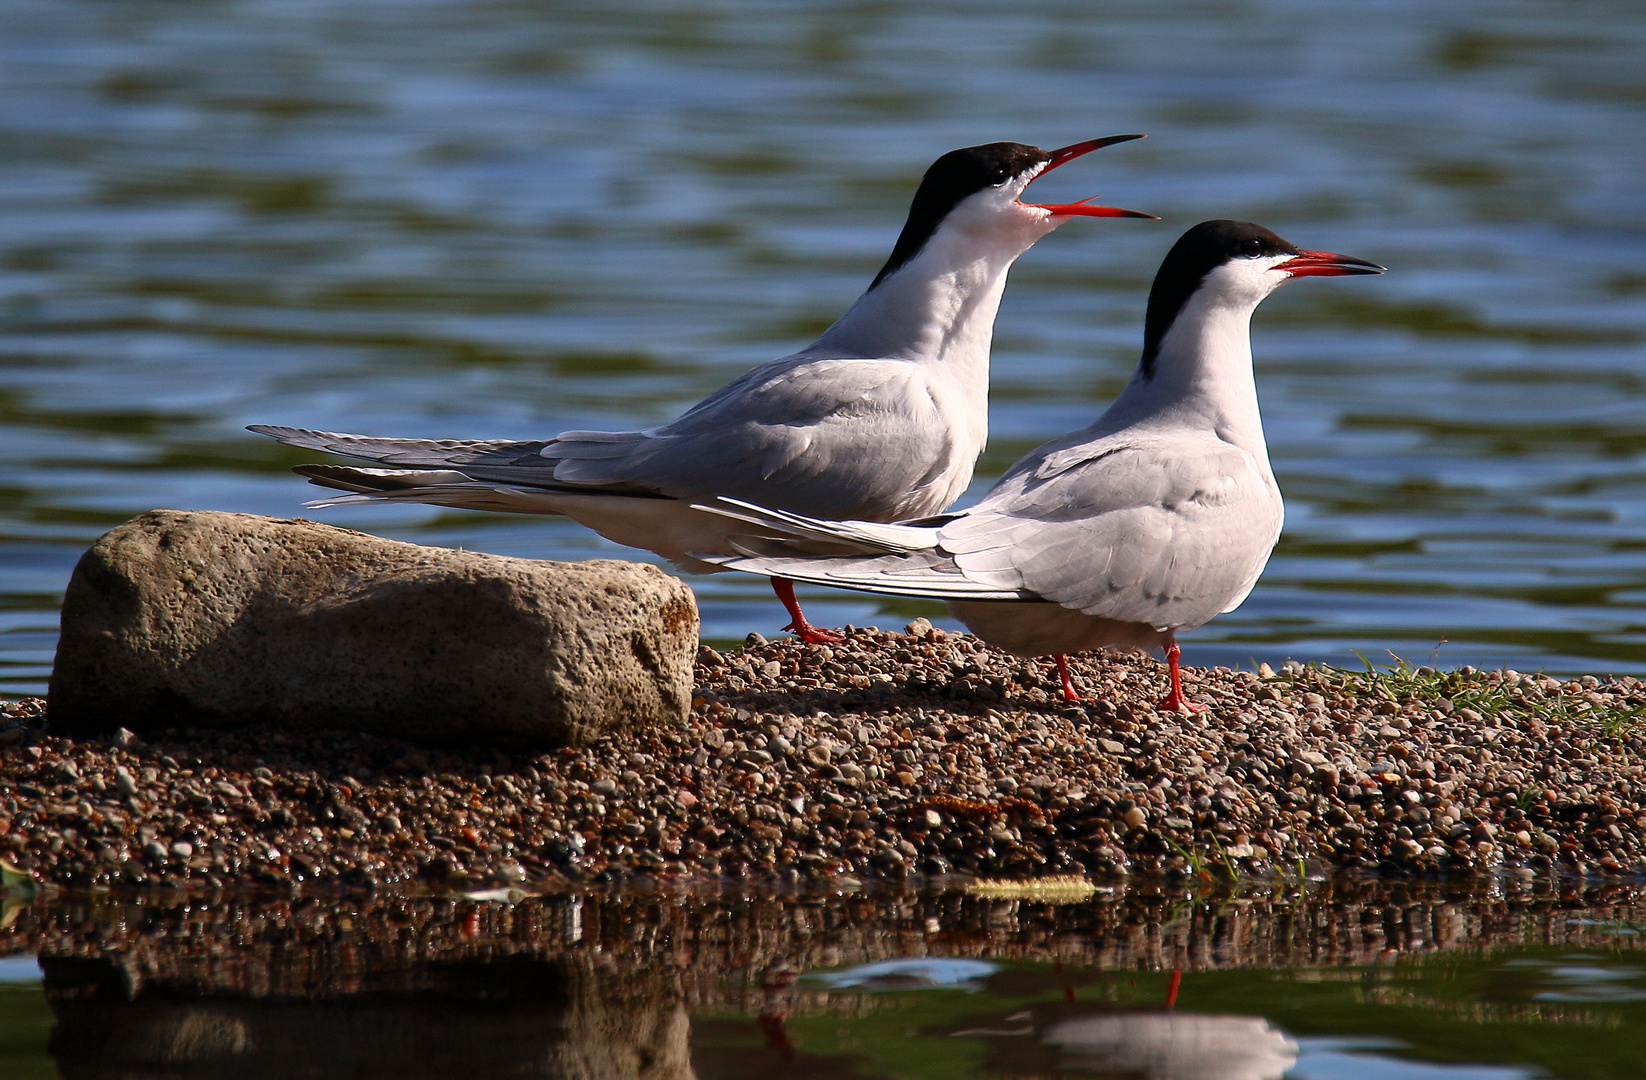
805,631
1174,700
1171,988
1069,692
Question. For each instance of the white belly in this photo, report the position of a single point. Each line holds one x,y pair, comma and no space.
1038,628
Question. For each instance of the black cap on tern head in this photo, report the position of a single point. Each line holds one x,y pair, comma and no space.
1210,245
962,173
951,178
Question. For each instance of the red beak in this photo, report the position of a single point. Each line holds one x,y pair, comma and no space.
1083,208
1327,264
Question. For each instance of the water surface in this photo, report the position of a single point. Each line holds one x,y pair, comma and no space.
495,218
1309,981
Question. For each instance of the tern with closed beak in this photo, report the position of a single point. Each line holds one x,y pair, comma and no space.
1154,519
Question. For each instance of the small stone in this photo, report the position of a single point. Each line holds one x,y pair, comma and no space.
182,849
1136,817
771,669
1111,747
68,771
604,786
918,627
754,640
124,738
124,782
1264,671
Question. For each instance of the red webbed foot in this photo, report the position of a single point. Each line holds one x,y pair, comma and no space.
816,635
1069,692
805,631
1175,701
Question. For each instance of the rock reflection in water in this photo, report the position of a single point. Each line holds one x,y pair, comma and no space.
511,1018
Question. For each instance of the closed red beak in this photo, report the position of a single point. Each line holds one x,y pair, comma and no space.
1327,264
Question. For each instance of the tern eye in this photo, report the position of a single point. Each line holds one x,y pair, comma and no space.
1254,246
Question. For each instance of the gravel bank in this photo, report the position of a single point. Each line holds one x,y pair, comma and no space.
895,754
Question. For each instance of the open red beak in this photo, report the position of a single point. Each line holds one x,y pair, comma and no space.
1327,264
1084,207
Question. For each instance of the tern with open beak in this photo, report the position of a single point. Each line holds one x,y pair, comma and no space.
881,419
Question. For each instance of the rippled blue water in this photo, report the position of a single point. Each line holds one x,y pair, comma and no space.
490,218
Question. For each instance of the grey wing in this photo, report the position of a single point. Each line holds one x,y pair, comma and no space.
460,461
839,438
1167,532
419,453
824,436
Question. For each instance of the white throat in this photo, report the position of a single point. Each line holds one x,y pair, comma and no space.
940,306
1202,372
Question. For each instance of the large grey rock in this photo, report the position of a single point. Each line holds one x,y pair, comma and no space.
232,619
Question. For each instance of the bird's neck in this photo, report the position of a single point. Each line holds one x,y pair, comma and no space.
940,306
1200,377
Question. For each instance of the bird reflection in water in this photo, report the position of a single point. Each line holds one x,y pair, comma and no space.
1055,1038
1139,1044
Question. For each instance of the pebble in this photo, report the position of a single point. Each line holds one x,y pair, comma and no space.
889,755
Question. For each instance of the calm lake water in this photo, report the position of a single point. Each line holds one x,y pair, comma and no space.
1322,982
502,218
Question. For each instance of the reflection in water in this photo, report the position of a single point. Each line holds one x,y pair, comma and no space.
910,974
1051,1038
515,1018
702,987
1174,1046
